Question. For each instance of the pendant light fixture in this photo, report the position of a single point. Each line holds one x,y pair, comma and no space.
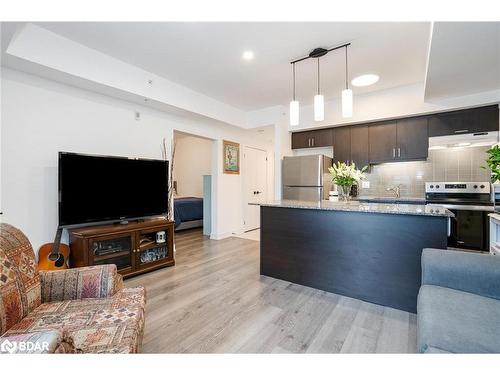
294,104
319,100
319,103
347,92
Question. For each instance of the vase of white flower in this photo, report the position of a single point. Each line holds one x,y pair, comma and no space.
345,176
344,192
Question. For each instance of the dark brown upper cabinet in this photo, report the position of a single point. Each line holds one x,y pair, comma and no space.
412,139
301,140
312,138
359,145
475,120
401,140
382,141
350,144
342,144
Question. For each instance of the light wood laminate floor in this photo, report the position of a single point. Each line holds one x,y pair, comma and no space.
215,301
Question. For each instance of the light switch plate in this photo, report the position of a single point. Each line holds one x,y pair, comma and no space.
365,184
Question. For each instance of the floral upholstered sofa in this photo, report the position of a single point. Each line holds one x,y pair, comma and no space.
80,310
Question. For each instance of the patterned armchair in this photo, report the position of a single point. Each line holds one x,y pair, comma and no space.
80,310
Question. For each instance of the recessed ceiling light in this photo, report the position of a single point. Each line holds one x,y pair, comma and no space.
365,80
248,55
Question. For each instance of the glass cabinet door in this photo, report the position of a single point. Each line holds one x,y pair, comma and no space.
113,250
152,249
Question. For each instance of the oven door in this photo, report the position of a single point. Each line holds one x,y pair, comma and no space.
469,230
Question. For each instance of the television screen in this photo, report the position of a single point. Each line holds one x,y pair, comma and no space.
100,188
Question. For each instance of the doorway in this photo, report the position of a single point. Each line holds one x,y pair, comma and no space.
255,185
192,182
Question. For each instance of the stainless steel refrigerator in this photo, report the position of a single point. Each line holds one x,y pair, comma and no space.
306,177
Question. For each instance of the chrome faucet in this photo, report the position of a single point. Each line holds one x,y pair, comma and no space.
396,190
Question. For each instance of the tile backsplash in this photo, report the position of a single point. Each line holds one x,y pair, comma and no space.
449,165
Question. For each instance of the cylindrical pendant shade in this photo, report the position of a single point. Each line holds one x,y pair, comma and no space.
347,103
319,107
294,113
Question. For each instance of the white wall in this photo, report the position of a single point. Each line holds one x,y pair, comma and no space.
193,160
76,62
41,117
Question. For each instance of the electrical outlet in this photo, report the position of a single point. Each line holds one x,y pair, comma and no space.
365,184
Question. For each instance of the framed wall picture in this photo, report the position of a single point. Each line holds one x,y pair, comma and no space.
231,157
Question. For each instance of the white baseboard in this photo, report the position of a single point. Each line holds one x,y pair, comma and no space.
220,236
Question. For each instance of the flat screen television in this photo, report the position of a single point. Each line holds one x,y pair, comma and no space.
104,188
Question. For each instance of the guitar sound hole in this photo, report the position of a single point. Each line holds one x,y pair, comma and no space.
60,261
54,257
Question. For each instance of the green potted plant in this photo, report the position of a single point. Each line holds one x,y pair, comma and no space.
345,176
493,163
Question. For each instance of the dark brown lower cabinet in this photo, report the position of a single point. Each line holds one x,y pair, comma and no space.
132,247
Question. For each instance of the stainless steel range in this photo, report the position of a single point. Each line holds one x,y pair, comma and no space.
471,202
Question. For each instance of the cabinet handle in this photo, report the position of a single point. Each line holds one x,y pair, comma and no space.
394,153
399,152
462,131
309,142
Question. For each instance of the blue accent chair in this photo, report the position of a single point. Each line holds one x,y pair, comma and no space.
458,309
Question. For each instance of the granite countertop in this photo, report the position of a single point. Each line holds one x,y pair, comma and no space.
356,206
368,198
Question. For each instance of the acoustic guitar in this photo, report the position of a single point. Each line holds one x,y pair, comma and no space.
54,256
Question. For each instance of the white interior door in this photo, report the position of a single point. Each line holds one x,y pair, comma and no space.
255,185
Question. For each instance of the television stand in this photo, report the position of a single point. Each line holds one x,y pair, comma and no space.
131,246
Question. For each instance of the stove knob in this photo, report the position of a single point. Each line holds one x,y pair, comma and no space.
482,186
475,186
432,186
437,186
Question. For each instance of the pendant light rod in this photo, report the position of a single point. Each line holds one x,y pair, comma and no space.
318,75
318,52
346,70
293,65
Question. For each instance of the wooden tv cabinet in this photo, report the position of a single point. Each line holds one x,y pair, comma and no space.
132,247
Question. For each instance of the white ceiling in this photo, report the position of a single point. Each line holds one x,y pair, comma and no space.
464,59
206,57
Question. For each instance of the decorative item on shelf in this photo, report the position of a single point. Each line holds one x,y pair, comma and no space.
345,176
171,182
333,196
319,100
493,163
231,157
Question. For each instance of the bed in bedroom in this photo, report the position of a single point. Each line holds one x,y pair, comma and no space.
188,213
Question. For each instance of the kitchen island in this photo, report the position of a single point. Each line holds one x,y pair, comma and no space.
368,251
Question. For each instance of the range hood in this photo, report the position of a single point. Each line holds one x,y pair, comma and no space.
463,140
